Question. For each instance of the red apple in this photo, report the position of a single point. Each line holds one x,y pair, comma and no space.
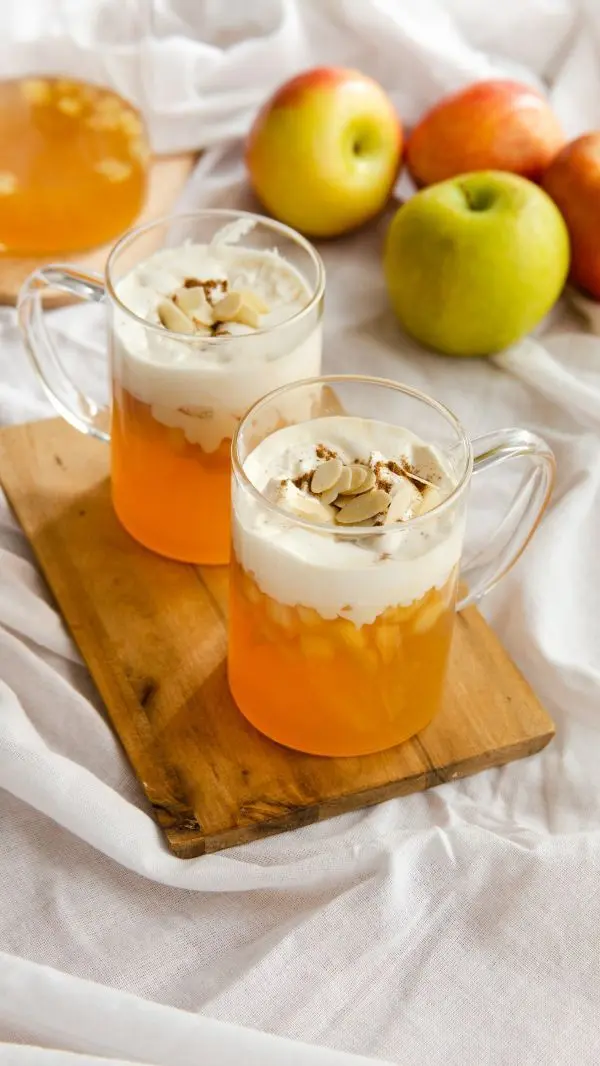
491,125
573,182
324,152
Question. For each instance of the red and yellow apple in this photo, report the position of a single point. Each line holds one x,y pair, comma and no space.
324,152
573,182
491,125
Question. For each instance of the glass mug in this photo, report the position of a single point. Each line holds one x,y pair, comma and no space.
335,653
176,399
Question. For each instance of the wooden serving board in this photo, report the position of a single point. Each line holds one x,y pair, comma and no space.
167,176
154,635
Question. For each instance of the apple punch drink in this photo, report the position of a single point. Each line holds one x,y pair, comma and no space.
227,311
347,533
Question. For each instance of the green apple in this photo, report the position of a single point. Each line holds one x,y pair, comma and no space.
472,264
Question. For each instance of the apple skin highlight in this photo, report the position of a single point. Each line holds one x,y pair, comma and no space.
474,263
324,152
491,125
573,182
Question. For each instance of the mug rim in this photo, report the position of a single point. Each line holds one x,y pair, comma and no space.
356,531
220,212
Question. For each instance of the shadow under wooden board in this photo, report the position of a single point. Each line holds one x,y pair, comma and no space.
167,176
154,635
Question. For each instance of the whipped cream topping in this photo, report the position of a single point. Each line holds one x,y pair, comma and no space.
355,575
230,266
205,383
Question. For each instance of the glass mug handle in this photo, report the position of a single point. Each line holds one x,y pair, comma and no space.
526,509
74,406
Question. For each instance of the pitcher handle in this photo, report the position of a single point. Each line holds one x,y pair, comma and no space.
74,406
523,516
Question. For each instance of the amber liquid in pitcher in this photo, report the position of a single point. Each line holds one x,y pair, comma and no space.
73,162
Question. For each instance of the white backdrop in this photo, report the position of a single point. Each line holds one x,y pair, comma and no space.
452,927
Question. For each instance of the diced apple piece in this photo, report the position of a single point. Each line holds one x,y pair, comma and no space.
388,640
401,613
251,590
429,615
369,660
315,646
308,616
281,614
350,635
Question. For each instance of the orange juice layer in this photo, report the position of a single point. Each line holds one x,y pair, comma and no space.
169,494
328,687
73,161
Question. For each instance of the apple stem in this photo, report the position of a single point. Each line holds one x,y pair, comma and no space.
477,199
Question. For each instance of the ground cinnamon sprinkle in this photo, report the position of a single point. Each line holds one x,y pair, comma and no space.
407,470
380,469
324,453
208,286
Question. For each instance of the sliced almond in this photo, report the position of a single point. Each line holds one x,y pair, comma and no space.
193,303
311,510
252,299
187,299
430,499
326,476
360,508
226,309
331,496
369,480
237,307
343,482
404,503
173,318
248,316
358,476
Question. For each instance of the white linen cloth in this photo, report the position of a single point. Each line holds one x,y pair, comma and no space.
457,926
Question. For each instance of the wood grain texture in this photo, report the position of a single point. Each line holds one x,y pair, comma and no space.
154,636
166,179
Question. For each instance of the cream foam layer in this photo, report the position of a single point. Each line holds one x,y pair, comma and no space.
205,387
355,578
